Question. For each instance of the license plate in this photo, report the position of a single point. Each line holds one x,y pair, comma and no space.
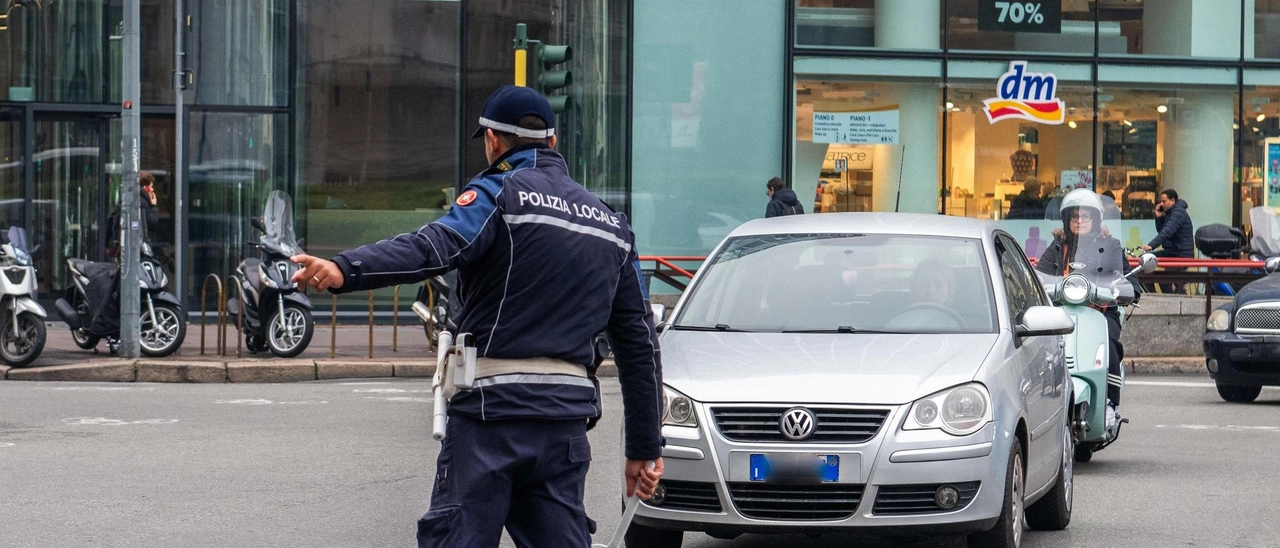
786,467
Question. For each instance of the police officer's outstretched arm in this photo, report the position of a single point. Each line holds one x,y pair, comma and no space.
454,240
635,348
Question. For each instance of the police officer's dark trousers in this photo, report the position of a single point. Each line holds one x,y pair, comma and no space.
525,474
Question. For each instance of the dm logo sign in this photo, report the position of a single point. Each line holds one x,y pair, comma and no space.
1026,95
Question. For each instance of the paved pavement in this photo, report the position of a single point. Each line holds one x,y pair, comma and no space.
350,358
334,464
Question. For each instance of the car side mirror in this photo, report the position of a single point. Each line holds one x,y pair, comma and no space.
1147,263
659,312
1039,321
1272,265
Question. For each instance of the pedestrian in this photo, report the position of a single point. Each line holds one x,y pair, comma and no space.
1085,243
782,201
150,214
543,266
1176,236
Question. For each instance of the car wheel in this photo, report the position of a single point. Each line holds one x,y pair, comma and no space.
1053,511
640,536
1237,393
1007,532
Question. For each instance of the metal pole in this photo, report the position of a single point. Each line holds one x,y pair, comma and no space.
130,325
179,119
522,52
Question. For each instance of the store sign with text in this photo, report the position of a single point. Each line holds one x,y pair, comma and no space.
1043,16
1025,95
867,127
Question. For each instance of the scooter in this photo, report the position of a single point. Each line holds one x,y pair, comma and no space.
91,306
276,316
435,306
1088,348
22,330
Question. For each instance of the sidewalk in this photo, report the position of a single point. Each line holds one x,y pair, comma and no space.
63,361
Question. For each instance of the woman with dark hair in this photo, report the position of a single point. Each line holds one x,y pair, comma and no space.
1085,244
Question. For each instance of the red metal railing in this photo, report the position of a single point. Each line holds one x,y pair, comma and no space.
666,269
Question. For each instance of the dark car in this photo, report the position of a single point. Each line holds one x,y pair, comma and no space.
1242,345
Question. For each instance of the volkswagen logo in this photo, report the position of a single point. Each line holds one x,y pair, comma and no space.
797,423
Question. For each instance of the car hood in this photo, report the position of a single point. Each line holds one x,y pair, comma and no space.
1262,289
819,368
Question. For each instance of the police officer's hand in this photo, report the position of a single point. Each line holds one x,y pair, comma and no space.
318,273
640,479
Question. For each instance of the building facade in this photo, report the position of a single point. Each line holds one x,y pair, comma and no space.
681,112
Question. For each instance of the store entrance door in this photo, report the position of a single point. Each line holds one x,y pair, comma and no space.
12,200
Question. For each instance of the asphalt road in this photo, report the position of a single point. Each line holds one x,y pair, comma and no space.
342,464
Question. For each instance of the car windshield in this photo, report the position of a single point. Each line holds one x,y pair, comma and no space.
843,283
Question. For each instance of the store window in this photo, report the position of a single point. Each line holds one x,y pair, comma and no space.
1058,26
1266,30
1188,28
1259,129
1017,138
238,51
851,137
886,24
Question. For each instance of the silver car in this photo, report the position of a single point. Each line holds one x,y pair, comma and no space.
875,372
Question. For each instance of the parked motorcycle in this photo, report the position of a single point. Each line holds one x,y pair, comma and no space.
277,316
91,306
1088,347
22,330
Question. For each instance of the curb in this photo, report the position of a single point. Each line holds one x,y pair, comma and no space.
298,370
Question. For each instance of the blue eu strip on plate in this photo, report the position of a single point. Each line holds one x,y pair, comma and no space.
824,467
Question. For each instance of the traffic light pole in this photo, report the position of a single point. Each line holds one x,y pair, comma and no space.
522,53
544,78
131,130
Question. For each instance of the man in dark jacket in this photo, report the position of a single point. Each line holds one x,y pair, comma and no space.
782,201
543,266
1176,237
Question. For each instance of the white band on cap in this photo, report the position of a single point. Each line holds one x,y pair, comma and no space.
518,131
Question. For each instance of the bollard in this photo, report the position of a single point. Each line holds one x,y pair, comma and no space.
239,284
395,319
333,329
204,299
371,325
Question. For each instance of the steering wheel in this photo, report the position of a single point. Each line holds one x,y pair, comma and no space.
926,310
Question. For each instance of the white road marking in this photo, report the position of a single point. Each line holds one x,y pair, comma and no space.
401,398
362,383
1221,427
269,402
102,421
7,444
98,388
389,391
1170,383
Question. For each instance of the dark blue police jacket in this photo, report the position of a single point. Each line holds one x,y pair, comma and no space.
543,266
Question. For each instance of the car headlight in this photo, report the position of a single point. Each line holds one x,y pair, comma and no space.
1219,320
266,280
1075,289
677,409
959,411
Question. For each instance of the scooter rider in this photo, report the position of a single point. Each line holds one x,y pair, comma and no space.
543,266
1083,240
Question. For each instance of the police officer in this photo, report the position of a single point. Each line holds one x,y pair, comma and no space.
543,265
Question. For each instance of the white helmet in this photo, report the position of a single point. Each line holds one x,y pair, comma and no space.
1081,198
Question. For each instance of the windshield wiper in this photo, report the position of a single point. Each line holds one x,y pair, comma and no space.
716,327
843,329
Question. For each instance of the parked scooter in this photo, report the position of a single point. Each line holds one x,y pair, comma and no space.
91,306
277,316
1088,347
22,330
435,306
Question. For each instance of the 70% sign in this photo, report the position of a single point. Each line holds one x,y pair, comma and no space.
1017,12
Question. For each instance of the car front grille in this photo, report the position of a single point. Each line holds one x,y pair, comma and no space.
824,502
1258,320
919,499
833,424
689,495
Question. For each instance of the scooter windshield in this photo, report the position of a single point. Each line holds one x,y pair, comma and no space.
1088,245
277,217
18,239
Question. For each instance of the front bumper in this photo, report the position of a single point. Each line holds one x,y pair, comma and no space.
1243,360
703,462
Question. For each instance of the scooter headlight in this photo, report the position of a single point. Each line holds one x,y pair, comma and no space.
1075,289
678,409
1219,320
958,411
266,279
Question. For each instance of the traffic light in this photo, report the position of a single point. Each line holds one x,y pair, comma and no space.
545,79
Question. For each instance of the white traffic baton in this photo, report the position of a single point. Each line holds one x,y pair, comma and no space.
455,370
633,503
440,414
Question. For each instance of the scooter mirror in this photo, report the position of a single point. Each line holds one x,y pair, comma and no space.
35,249
1147,262
1272,265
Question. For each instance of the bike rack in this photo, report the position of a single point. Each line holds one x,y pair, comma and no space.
333,329
221,306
